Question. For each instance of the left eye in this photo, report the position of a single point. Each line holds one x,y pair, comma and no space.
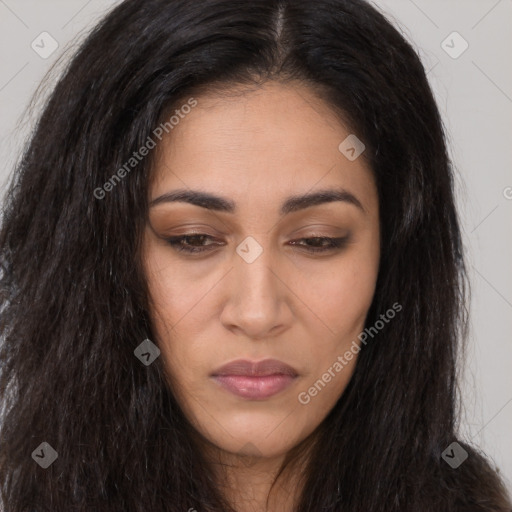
331,243
182,243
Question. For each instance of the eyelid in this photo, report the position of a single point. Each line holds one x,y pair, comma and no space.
335,244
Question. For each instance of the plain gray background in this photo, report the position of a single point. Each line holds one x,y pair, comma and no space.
474,93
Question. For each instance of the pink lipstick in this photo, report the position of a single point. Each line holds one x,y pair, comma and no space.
255,380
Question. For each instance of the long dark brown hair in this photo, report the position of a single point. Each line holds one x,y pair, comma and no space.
74,298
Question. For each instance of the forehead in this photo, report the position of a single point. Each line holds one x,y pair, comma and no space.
266,142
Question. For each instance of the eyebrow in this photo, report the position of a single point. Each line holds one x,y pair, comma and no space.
291,204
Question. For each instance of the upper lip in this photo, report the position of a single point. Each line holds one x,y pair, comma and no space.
255,369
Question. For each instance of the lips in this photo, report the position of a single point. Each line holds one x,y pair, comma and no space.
255,380
255,369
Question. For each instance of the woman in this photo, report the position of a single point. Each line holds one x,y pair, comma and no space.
232,273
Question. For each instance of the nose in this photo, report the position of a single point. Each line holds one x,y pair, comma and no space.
258,300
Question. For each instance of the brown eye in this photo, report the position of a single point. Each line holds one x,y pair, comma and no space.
191,243
194,243
322,243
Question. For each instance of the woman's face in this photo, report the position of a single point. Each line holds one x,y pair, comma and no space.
258,291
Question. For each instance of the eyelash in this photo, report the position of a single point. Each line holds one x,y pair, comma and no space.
176,243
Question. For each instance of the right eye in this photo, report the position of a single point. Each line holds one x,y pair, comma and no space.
182,243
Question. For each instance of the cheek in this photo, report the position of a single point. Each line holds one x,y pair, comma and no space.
340,294
177,289
175,305
340,297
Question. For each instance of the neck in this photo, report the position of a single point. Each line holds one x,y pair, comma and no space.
247,481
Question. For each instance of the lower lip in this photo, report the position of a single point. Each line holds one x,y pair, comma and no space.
254,388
